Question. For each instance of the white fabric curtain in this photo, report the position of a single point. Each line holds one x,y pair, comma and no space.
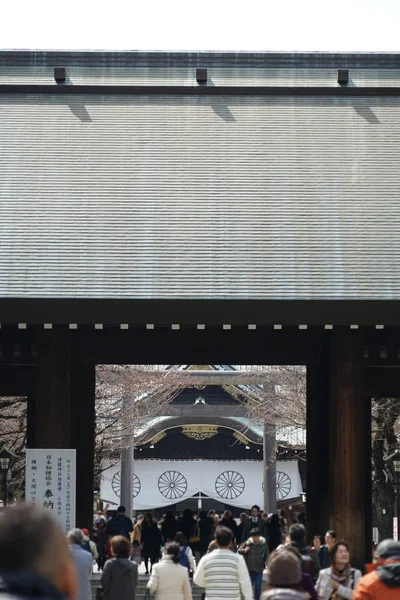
159,483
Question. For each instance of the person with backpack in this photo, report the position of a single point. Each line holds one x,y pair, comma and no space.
169,580
339,580
186,558
309,557
255,552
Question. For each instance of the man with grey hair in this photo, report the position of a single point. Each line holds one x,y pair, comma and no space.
83,563
34,560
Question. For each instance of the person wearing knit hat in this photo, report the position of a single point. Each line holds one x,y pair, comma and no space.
284,577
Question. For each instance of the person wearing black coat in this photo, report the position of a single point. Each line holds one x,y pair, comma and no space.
120,524
151,540
206,529
243,519
254,522
100,538
229,522
273,533
187,524
169,527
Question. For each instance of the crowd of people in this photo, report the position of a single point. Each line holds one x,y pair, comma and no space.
35,562
192,531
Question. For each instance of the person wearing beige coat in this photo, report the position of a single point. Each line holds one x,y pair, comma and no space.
168,579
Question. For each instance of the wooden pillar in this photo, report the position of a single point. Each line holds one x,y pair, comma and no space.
53,390
269,464
349,412
83,438
64,401
318,446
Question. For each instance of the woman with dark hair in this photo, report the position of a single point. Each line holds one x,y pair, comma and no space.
151,541
206,534
273,532
169,580
120,576
339,580
169,527
188,526
100,538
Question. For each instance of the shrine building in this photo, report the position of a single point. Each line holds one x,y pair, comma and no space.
204,451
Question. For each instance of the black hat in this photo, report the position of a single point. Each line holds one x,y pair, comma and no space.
388,549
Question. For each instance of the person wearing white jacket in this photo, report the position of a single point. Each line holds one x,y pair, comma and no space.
338,581
223,573
168,579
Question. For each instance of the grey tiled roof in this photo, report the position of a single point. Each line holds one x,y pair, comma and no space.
200,197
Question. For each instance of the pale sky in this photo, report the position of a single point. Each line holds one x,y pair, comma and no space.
274,25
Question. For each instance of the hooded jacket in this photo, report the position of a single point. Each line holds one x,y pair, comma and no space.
382,584
255,554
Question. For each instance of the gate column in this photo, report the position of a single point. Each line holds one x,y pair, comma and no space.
63,415
83,420
349,469
52,413
318,447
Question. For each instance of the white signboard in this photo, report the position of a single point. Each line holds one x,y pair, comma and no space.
158,483
395,528
51,483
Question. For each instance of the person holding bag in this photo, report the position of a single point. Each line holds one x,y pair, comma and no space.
120,575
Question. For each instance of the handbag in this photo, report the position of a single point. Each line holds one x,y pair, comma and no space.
196,536
100,592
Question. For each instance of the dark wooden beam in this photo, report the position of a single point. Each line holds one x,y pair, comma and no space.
199,90
192,346
37,311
